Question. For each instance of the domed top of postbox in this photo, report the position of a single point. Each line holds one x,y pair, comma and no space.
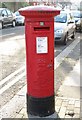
39,11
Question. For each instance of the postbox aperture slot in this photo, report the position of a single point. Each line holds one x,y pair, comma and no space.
41,28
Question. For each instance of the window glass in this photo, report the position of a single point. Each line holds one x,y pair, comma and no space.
4,12
17,13
9,12
76,14
62,18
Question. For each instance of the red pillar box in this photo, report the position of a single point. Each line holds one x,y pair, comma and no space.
39,31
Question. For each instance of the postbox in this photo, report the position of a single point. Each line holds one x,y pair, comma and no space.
39,32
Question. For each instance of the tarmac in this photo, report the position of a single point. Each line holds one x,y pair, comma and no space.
68,103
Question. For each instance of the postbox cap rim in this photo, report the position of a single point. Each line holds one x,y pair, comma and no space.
39,11
38,8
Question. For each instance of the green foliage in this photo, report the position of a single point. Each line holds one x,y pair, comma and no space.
13,6
0,4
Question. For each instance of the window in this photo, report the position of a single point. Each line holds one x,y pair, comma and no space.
17,13
76,14
4,12
8,12
62,18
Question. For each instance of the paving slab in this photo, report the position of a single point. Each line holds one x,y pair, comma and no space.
72,86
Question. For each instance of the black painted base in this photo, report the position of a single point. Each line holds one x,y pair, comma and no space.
40,106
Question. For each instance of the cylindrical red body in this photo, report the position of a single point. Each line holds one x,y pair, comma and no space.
40,66
39,31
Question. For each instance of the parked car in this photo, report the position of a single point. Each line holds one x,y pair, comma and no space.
6,17
19,18
79,25
64,27
79,22
76,14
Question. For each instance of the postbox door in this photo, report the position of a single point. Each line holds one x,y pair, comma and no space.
40,63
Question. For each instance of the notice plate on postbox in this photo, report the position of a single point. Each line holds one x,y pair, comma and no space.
41,45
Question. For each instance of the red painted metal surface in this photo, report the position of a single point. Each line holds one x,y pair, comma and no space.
39,22
39,12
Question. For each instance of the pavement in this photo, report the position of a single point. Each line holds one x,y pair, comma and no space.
68,102
67,106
